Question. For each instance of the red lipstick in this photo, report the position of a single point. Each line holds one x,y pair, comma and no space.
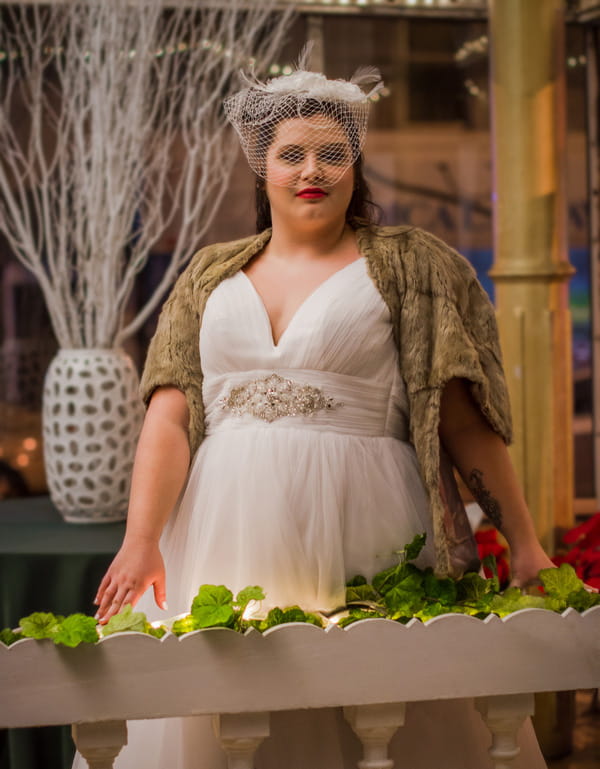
311,193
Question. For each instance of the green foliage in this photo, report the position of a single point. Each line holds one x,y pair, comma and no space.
401,592
490,562
356,581
125,621
157,632
404,591
279,616
512,599
564,588
356,614
213,607
76,629
184,625
413,549
8,636
248,594
40,625
361,593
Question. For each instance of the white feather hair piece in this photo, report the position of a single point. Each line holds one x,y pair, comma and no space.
322,104
314,85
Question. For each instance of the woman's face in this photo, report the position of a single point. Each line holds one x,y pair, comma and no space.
309,169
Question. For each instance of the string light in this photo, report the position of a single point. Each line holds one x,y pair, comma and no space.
413,4
472,48
177,48
478,48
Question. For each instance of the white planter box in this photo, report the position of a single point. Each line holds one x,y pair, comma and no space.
371,662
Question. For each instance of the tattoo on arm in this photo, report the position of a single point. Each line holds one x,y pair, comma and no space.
489,505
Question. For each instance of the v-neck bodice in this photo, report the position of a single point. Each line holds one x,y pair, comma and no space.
306,300
339,341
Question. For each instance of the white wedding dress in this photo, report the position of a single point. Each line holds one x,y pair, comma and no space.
305,478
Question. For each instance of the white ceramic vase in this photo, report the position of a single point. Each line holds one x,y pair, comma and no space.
92,415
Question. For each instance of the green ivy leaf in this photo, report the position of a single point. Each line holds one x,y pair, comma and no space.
357,614
513,600
443,590
432,610
213,607
274,617
251,593
356,581
490,562
313,619
212,595
279,616
472,588
126,620
560,583
8,636
76,629
293,614
40,625
413,549
406,596
157,632
214,616
394,576
184,625
384,580
361,593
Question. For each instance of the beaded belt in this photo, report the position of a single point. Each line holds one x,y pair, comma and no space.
309,398
274,397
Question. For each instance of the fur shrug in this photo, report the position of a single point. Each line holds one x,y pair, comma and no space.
444,327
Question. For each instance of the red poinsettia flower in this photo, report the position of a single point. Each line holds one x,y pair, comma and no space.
488,544
584,551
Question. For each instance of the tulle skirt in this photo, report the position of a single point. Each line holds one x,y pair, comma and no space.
296,511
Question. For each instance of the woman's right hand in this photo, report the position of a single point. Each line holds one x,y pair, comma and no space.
136,566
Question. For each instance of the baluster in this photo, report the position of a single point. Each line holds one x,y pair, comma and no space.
375,726
240,735
100,742
504,716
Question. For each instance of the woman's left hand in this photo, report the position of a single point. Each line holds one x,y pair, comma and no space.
526,564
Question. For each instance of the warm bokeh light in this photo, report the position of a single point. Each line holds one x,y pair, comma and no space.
22,460
30,444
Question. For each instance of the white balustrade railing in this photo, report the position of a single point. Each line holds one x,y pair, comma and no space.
240,679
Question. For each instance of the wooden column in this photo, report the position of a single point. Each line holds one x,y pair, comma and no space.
375,725
531,268
100,742
504,716
240,735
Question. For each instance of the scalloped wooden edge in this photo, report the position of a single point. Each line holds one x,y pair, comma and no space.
298,665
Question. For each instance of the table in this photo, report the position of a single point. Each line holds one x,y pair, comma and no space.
47,565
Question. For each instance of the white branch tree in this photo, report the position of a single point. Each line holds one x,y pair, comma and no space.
111,131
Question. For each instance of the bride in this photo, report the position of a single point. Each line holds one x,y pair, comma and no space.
309,390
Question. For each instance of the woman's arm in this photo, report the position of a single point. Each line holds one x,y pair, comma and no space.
482,459
160,469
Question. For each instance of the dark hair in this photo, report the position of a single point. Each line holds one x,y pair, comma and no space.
361,207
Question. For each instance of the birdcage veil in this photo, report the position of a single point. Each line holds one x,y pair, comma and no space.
334,115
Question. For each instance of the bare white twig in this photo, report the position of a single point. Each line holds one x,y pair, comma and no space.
112,130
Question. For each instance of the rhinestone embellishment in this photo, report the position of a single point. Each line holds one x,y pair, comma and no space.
274,397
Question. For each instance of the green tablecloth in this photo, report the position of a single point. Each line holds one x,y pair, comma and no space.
47,565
